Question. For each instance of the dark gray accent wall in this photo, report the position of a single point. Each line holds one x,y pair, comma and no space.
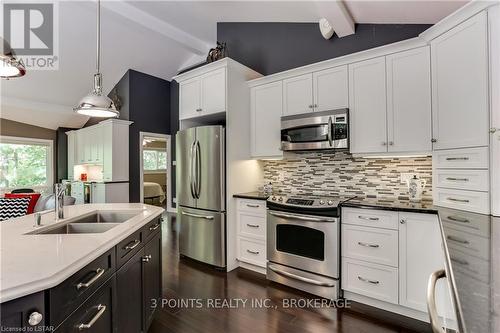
62,153
274,47
174,127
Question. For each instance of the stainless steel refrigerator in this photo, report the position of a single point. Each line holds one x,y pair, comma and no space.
201,194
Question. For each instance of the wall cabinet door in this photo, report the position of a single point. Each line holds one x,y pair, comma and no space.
213,92
130,295
189,98
80,147
409,101
297,95
266,109
367,104
331,89
460,85
71,153
419,237
152,278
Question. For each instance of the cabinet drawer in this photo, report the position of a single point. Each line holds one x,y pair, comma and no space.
254,206
68,295
372,280
477,224
475,268
470,158
128,247
370,218
253,252
473,180
471,244
375,245
472,201
96,314
251,225
151,228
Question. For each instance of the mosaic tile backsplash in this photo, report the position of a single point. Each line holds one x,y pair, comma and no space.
332,174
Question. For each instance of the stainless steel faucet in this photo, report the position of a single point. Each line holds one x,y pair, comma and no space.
59,191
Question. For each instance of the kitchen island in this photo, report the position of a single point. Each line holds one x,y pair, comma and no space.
107,254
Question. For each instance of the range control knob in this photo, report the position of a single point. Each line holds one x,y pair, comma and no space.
322,202
280,199
330,202
273,198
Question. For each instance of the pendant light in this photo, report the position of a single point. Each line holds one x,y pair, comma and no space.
10,66
96,104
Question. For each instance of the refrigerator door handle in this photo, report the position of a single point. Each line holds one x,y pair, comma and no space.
198,169
191,170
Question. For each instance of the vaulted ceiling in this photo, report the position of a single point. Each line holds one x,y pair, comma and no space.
161,37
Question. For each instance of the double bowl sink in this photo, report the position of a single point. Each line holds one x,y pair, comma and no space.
96,222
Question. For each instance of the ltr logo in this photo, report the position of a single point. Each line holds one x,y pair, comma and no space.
29,28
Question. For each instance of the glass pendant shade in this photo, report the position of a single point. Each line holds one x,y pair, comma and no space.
10,67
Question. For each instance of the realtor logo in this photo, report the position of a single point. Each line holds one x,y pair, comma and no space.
31,31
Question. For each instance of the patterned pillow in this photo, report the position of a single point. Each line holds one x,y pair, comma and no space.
13,207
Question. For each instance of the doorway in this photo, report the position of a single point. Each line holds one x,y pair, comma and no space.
155,173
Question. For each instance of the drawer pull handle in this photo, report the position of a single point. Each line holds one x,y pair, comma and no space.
360,278
98,273
132,245
458,240
457,179
458,219
253,206
361,217
368,245
206,217
457,158
458,200
460,261
253,252
431,300
154,227
100,311
252,225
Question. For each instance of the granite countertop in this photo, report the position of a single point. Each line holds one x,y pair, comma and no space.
35,262
256,195
391,204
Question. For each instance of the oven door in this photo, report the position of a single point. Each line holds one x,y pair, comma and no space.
325,130
305,242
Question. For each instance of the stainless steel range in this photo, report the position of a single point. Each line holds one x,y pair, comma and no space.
303,247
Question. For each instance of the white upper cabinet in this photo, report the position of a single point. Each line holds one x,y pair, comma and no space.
213,92
460,85
203,95
189,98
409,101
298,95
331,89
266,109
367,106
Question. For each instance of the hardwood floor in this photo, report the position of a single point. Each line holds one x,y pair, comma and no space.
197,285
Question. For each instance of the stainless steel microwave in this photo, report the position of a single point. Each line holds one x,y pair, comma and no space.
316,131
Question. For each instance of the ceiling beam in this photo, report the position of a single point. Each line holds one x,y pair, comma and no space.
339,17
138,16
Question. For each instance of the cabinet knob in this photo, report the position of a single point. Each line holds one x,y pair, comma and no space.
433,140
35,318
146,258
391,143
494,130
402,221
310,106
384,143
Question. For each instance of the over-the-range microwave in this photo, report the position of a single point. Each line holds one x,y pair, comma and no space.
316,131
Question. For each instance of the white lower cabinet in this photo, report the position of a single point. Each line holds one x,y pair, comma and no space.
251,229
390,268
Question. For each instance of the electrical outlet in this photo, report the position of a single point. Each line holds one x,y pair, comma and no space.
407,176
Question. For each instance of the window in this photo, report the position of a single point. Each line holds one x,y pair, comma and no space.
154,160
25,163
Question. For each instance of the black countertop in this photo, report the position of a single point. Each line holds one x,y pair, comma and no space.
256,195
391,204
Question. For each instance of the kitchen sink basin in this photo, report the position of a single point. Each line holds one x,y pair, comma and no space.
106,217
78,228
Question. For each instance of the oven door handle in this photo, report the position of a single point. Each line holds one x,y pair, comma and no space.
303,218
300,278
